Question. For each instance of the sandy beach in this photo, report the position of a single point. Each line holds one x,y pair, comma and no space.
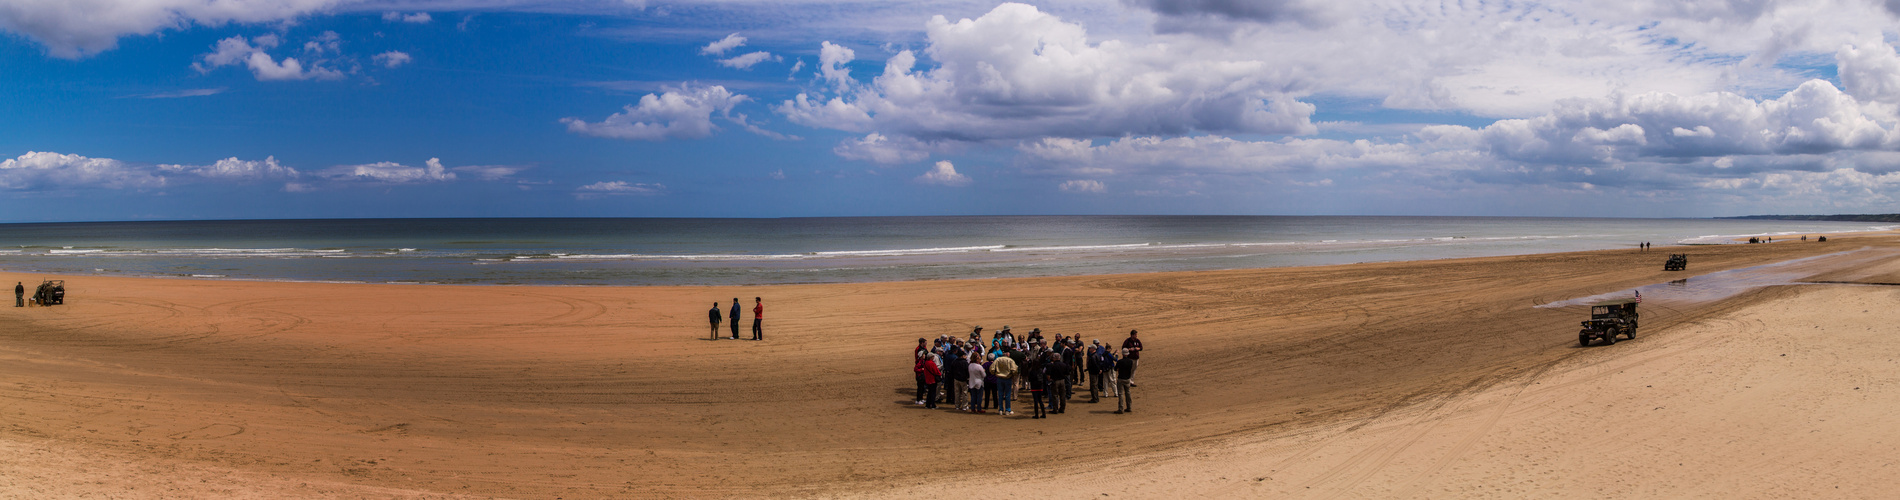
1381,380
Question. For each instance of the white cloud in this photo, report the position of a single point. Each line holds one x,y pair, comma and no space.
235,50
235,169
38,170
329,41
1815,117
719,47
417,18
392,59
677,113
1020,73
184,93
391,173
831,61
489,172
877,148
746,61
618,188
77,28
944,174
1083,186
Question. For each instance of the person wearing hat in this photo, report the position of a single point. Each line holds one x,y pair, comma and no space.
715,317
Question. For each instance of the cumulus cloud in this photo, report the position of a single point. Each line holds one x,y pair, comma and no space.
392,58
417,18
236,50
1813,118
391,173
944,174
37,170
1017,72
719,47
1083,186
676,113
77,28
236,169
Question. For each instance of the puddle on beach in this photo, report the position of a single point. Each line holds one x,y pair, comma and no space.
1724,284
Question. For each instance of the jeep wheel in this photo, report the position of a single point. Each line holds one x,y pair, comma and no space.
1631,332
1583,339
1609,338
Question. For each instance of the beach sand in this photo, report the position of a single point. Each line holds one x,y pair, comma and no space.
1381,380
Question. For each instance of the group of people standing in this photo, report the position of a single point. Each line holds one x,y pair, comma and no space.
758,319
976,376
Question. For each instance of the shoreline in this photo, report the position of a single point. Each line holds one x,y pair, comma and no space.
1734,241
537,390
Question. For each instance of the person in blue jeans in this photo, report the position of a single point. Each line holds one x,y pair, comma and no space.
1004,370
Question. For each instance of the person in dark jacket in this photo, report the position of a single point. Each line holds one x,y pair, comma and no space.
735,318
1058,383
1100,362
957,371
19,294
715,317
1038,385
1125,371
1131,351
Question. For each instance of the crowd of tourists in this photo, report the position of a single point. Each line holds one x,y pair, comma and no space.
978,376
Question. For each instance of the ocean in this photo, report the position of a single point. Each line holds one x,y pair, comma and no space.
812,250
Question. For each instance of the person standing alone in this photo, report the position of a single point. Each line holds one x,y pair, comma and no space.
758,318
19,294
715,317
735,318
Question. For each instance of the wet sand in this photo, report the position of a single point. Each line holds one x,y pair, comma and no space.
1435,378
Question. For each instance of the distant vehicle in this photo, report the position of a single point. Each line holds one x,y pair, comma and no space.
50,292
1676,262
1608,319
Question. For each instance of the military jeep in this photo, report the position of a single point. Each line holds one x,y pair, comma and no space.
1676,262
1609,319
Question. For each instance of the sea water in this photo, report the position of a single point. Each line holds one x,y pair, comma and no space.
813,250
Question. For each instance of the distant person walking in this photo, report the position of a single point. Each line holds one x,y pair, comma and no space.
735,318
715,317
1125,371
19,294
758,318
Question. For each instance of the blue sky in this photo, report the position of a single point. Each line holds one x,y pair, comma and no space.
203,109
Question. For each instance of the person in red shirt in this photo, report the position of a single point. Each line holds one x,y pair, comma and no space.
927,369
758,317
